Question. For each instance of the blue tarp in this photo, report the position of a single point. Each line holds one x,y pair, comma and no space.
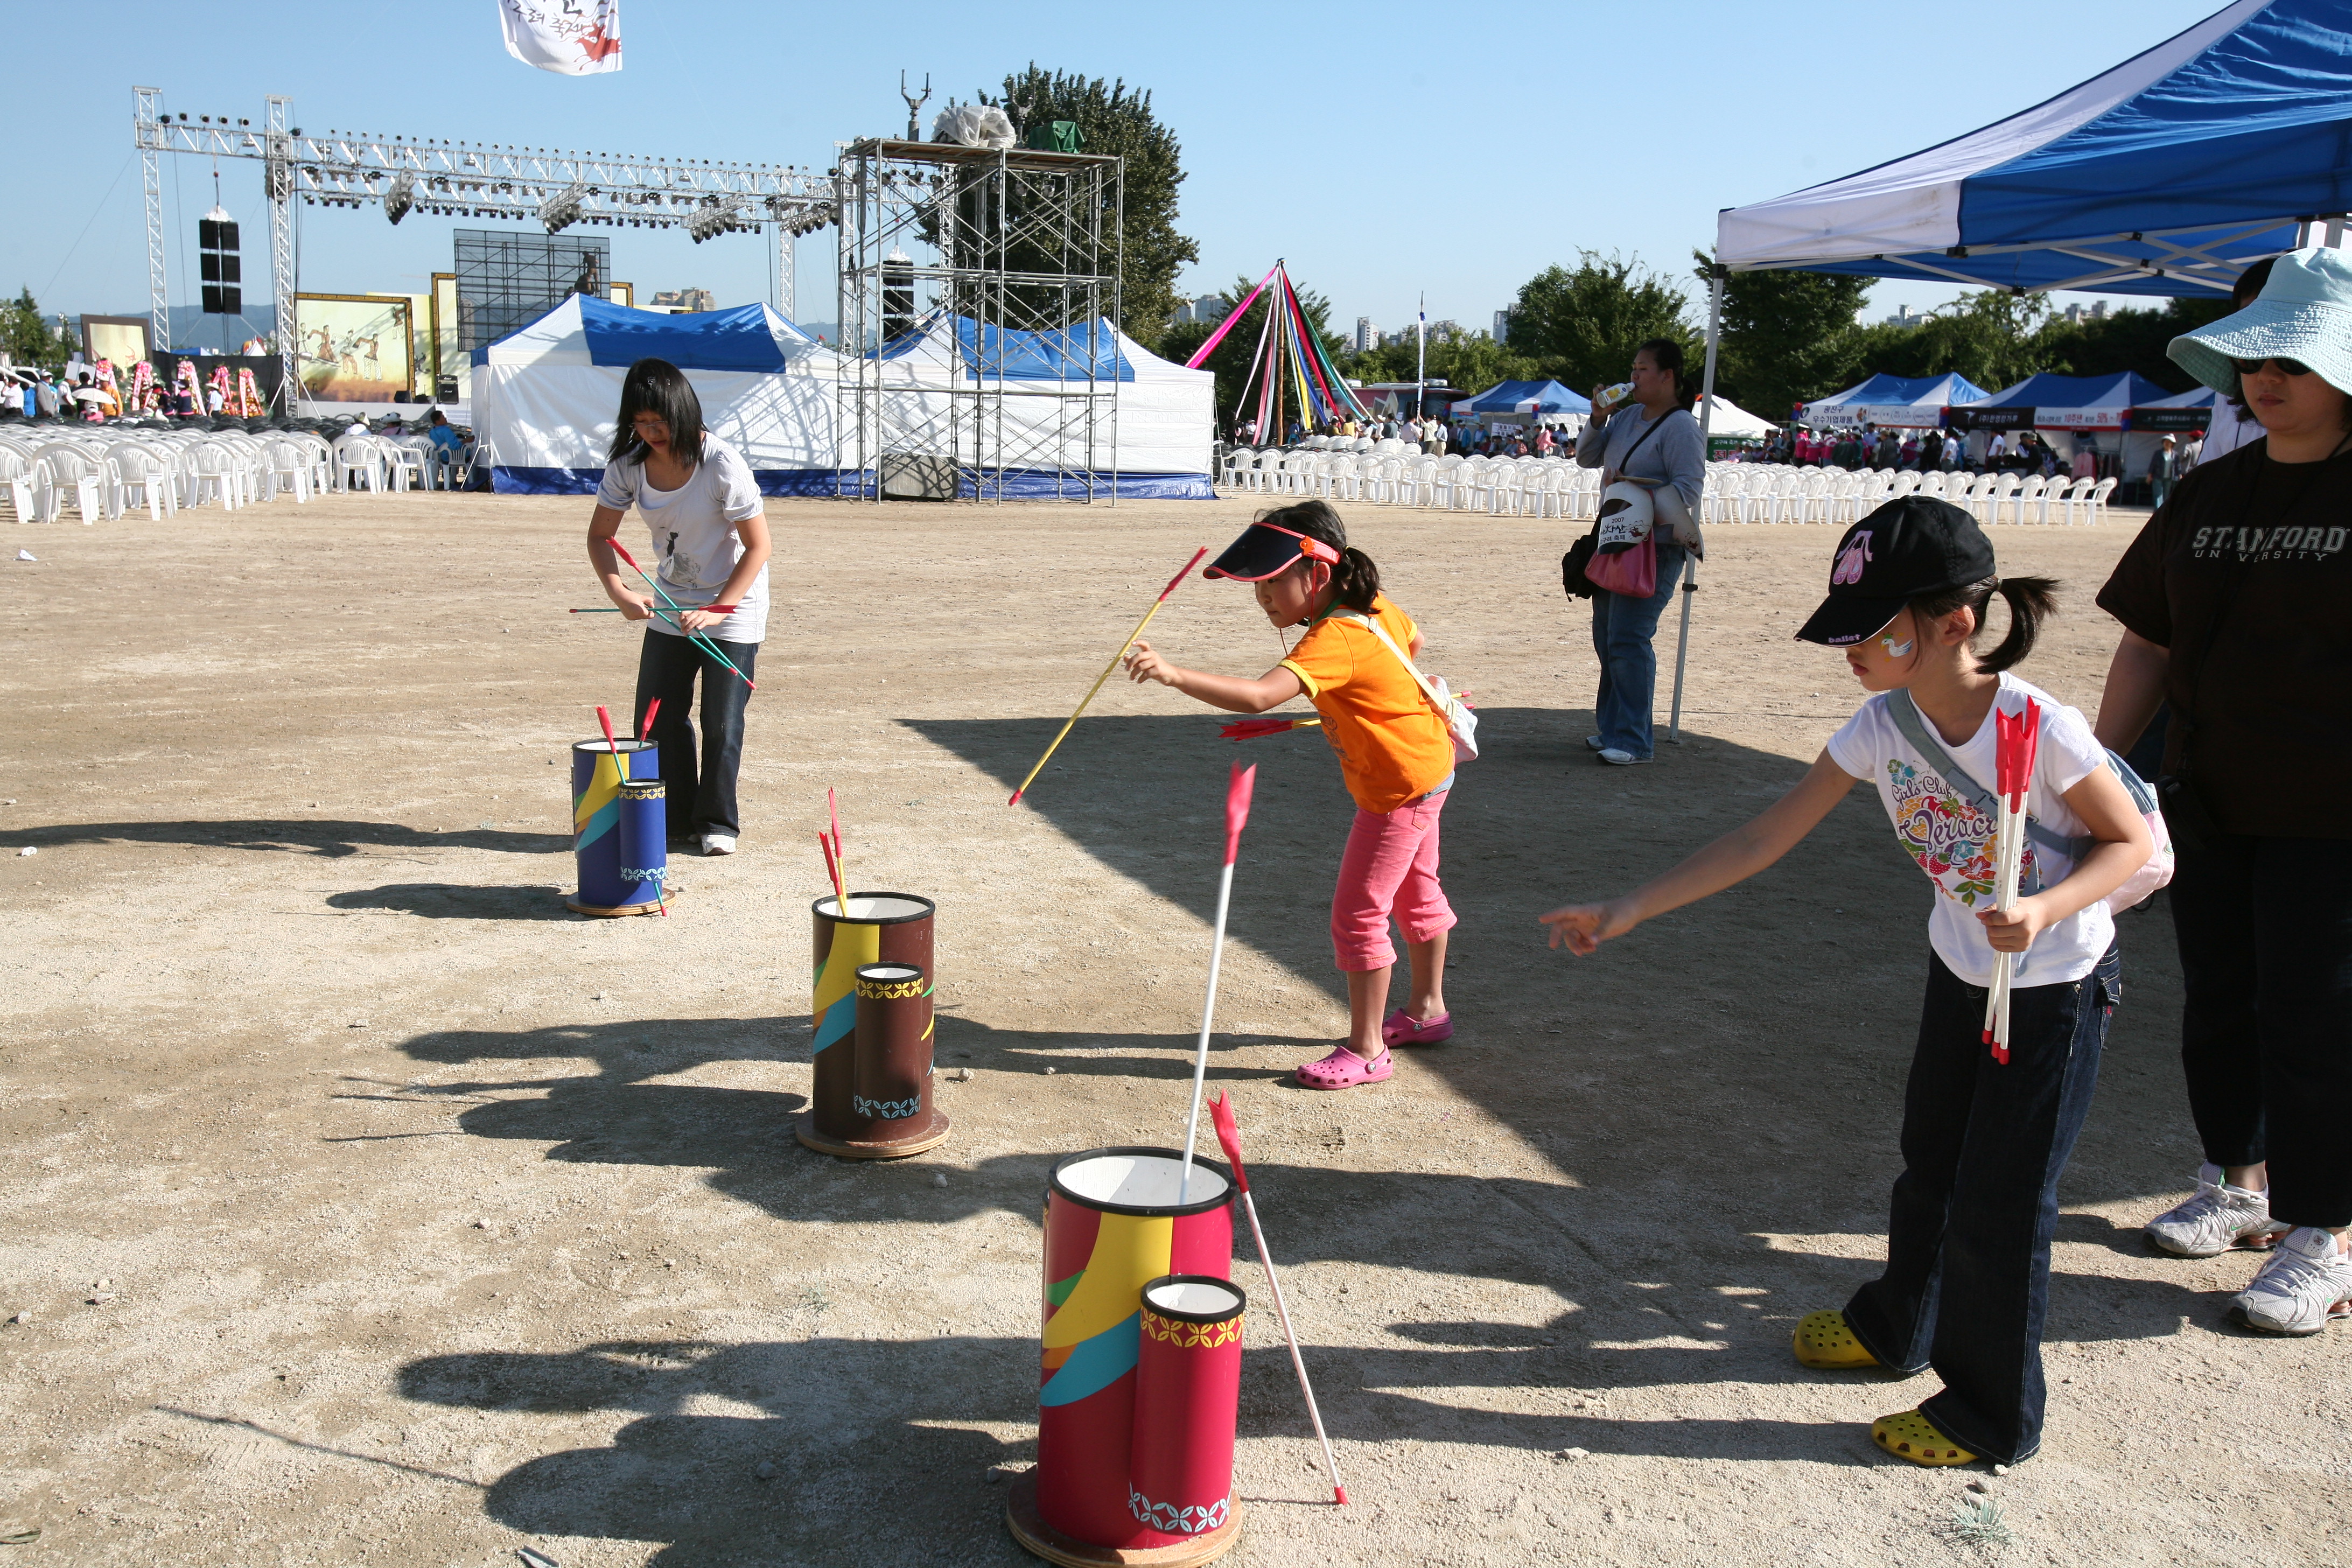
737,338
2162,176
990,353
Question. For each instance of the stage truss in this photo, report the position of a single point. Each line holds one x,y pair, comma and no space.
455,178
1010,240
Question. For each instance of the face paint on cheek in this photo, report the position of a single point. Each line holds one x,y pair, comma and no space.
1896,649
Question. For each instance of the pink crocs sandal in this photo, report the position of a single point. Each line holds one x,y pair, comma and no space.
1343,1069
1397,1029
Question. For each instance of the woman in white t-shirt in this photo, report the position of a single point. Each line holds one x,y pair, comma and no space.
702,507
1967,1256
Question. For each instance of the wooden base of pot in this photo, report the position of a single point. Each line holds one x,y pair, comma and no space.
805,1129
1043,1539
571,902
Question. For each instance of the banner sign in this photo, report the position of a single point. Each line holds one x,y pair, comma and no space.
1970,418
2171,418
571,37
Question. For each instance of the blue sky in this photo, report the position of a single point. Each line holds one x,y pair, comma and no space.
1384,149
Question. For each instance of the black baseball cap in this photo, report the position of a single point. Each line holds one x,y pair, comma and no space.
1264,549
1913,545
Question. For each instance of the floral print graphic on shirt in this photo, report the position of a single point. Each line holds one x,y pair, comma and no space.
1951,840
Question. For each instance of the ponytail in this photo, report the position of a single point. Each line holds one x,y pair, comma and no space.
2032,601
1356,579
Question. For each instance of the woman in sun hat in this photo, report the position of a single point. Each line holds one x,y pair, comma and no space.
2236,603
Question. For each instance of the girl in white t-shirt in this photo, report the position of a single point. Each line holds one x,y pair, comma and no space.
1967,1265
702,507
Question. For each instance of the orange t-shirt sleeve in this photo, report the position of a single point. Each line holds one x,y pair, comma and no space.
1321,661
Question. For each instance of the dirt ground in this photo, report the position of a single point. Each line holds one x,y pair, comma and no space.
364,1207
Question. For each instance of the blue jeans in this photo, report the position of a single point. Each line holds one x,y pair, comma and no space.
1621,630
698,793
1967,1285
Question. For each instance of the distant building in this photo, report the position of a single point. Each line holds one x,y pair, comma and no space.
1502,326
688,299
2094,311
1207,308
1368,336
1445,331
1906,316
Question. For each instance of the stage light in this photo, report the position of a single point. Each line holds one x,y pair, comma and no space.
399,196
560,211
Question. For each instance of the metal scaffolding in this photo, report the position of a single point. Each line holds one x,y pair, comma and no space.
449,177
1008,263
506,280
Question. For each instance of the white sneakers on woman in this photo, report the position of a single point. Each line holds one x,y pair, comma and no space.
719,844
2304,1286
2217,1218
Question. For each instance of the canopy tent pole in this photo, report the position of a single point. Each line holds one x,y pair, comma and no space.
1690,560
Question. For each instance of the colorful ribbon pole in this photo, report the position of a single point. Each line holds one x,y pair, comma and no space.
1182,572
1206,350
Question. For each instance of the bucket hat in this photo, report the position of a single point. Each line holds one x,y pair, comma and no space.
2303,312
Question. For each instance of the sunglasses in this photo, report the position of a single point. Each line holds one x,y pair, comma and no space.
2286,366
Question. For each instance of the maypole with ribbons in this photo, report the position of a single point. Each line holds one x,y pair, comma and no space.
1290,368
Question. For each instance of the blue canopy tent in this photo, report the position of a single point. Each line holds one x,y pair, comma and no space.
1522,399
1915,402
2168,174
2047,401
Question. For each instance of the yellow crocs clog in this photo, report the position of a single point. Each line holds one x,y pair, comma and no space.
1911,1435
1824,1343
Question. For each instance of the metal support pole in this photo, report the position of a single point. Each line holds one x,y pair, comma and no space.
1690,559
787,291
147,109
278,183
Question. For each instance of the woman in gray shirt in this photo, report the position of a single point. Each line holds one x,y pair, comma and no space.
1653,440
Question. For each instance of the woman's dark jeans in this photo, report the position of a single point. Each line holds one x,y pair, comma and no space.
1621,630
700,798
1967,1245
2265,932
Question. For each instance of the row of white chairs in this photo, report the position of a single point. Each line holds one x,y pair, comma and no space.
102,472
1734,492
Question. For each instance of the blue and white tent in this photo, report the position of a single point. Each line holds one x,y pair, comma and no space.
545,396
1522,399
2164,176
2048,401
1914,402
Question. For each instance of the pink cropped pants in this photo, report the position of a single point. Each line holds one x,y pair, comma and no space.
1390,870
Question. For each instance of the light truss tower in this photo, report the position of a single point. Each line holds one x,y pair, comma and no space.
1007,262
468,179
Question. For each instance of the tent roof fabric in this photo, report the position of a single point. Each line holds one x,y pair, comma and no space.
1509,396
2197,397
2159,176
1942,391
2124,389
584,330
986,352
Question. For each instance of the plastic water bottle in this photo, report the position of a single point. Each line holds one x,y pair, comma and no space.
1610,396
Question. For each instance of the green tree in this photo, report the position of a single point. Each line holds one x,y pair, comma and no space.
1114,119
1786,337
26,339
1581,326
2132,340
1472,363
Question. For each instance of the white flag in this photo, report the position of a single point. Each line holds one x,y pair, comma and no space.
573,38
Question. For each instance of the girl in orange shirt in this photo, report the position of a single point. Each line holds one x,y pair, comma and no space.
1395,756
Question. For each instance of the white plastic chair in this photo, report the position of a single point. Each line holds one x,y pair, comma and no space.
17,483
2029,494
2096,504
70,471
143,479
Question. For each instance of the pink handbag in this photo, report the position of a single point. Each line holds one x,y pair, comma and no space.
1632,572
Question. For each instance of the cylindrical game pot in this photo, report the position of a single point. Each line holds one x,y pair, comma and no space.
645,834
890,1073
878,928
1188,1390
1112,1226
597,824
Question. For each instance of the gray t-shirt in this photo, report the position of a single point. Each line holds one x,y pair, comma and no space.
694,535
1674,454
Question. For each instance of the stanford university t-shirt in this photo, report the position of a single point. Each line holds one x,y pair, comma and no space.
1954,843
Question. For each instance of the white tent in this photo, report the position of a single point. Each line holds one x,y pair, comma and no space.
546,397
1166,426
1723,417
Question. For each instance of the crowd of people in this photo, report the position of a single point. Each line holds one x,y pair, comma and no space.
1432,436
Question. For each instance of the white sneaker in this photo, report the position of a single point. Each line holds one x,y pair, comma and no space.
1617,759
2219,1218
1593,742
2305,1283
719,844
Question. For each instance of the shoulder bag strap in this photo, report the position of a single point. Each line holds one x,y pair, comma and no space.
1373,625
1906,717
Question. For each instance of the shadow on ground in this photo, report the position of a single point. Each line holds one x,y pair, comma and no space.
291,834
457,901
